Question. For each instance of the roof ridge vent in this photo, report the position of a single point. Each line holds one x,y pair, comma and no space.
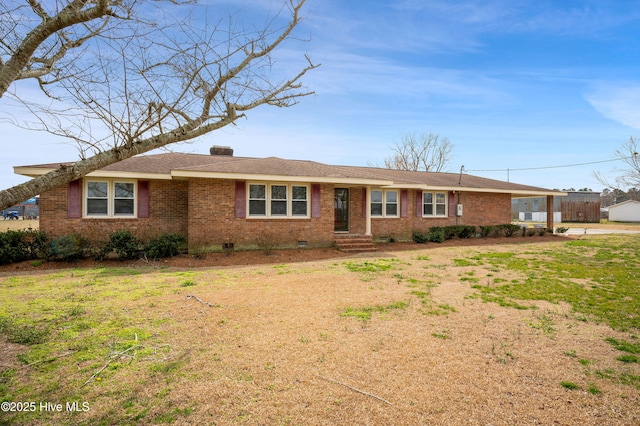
224,151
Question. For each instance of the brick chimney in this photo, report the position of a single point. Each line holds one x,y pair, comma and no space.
221,150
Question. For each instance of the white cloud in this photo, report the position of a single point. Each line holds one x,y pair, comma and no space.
619,102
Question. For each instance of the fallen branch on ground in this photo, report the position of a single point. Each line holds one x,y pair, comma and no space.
356,390
197,299
113,357
53,358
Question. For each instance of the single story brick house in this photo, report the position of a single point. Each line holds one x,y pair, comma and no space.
222,199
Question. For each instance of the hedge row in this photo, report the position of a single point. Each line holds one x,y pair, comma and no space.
29,244
17,246
439,234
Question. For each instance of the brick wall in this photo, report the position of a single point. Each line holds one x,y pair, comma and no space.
204,211
213,222
167,214
479,209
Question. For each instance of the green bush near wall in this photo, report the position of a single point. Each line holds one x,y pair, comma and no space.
18,246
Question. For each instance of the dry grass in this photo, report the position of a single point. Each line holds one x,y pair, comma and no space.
14,225
270,345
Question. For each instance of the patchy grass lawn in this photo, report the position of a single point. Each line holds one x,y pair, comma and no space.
598,277
504,334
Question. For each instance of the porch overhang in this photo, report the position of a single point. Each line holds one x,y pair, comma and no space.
514,193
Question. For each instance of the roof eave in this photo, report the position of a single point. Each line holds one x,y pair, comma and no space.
182,174
31,171
542,193
516,193
39,171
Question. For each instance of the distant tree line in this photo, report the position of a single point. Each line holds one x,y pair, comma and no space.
609,197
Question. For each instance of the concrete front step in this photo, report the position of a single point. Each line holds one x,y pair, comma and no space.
354,243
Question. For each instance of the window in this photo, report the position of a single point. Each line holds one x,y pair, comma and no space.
107,198
257,200
123,200
376,203
434,203
278,200
384,203
391,203
97,198
299,200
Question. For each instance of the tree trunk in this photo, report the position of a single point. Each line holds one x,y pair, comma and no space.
69,172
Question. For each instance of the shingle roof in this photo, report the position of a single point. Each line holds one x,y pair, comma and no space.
193,165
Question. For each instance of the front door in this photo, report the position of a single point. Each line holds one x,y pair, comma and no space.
341,209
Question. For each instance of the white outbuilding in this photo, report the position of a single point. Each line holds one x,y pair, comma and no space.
627,211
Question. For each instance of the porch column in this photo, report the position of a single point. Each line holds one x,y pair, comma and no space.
550,212
367,210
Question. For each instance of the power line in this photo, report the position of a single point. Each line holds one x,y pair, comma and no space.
550,167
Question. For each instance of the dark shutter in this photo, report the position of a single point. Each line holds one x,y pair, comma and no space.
418,203
241,199
452,203
404,203
316,208
364,202
143,198
74,199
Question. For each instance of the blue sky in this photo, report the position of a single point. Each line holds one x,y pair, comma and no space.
512,84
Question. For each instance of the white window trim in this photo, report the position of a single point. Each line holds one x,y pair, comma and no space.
289,214
384,204
111,183
446,204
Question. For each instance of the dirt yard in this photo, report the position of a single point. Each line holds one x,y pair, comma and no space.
14,225
269,344
279,352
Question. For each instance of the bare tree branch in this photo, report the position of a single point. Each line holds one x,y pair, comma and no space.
23,61
629,177
424,152
145,91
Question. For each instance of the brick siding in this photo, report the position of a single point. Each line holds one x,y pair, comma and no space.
167,214
478,209
204,211
212,220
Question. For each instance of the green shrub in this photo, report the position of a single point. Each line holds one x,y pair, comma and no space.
452,231
420,237
467,232
66,247
436,234
561,230
509,229
166,245
123,243
487,230
26,244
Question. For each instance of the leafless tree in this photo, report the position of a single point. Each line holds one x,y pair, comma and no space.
423,152
629,177
120,85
